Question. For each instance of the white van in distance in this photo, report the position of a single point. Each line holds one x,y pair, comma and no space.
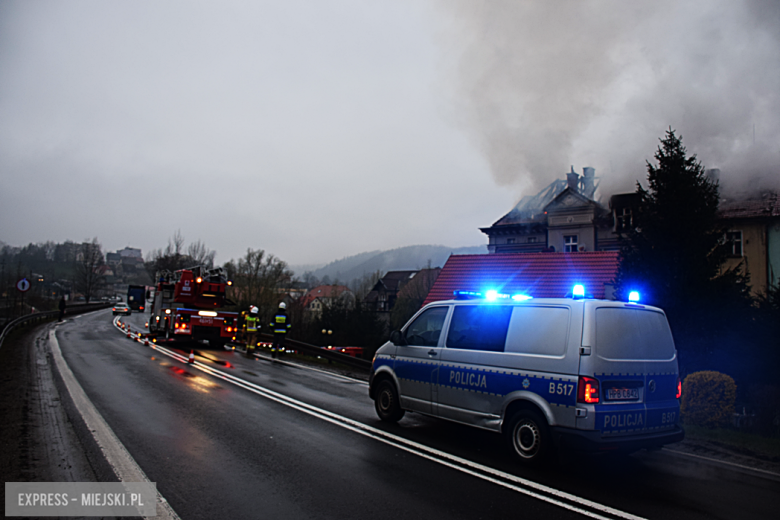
560,372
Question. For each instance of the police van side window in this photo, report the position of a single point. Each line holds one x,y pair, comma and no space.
479,327
426,329
538,330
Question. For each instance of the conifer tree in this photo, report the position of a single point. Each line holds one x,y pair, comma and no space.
675,256
672,252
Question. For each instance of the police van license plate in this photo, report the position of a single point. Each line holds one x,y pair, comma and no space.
622,394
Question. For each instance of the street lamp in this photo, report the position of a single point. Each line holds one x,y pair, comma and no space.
326,333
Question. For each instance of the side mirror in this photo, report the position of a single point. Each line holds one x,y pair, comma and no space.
397,338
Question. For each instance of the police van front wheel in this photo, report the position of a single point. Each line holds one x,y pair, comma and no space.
387,404
528,437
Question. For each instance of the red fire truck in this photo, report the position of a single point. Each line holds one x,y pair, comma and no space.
186,307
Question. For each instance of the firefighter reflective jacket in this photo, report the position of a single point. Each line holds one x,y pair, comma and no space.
280,324
251,323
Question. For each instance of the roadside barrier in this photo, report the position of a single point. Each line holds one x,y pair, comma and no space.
303,348
43,316
331,355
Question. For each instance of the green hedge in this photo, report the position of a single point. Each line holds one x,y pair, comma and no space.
708,399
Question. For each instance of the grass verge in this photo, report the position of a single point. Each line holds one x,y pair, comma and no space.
746,443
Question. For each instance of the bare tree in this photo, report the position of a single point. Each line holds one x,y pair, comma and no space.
201,255
173,258
412,295
257,280
89,269
363,285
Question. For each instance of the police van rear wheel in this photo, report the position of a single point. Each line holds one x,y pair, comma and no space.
528,437
387,404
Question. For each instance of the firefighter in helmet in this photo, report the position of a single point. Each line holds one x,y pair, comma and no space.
252,324
280,326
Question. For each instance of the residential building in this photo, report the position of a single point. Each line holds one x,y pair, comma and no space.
318,298
411,285
563,217
131,252
382,296
753,238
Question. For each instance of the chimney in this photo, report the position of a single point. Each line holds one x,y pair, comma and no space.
589,182
712,175
573,179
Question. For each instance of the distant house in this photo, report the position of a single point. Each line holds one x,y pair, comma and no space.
382,296
317,299
131,252
540,275
412,285
753,238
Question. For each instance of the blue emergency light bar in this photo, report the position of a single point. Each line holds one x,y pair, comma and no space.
491,296
633,296
466,295
578,291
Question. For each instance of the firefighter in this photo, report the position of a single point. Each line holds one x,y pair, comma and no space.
280,326
252,325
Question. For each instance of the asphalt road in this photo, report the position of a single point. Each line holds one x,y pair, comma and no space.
299,443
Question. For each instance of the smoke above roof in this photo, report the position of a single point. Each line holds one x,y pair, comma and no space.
544,85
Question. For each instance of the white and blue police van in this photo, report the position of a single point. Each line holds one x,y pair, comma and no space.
573,372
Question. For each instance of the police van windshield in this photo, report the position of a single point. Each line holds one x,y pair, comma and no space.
636,334
426,329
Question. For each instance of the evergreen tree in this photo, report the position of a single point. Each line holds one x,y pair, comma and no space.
674,255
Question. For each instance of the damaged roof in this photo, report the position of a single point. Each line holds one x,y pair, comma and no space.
766,206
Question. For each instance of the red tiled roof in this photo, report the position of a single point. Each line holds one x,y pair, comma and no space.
541,275
323,291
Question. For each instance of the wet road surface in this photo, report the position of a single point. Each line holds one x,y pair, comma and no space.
299,443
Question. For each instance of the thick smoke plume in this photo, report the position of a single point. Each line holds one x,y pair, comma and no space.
549,84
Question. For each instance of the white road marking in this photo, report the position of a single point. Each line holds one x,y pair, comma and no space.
515,483
123,464
305,367
772,473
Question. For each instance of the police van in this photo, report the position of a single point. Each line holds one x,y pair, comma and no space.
561,372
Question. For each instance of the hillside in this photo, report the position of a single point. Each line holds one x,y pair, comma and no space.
401,259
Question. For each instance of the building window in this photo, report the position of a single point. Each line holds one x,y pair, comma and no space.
734,243
624,219
569,243
510,240
531,240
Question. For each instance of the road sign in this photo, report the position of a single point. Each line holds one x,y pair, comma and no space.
23,285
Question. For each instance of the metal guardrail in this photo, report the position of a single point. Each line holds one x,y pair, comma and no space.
300,346
314,350
41,316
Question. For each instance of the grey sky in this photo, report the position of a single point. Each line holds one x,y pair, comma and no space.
316,130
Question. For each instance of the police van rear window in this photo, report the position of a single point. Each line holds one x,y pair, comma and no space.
632,334
479,327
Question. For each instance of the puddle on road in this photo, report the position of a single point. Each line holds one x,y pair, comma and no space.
199,383
181,371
